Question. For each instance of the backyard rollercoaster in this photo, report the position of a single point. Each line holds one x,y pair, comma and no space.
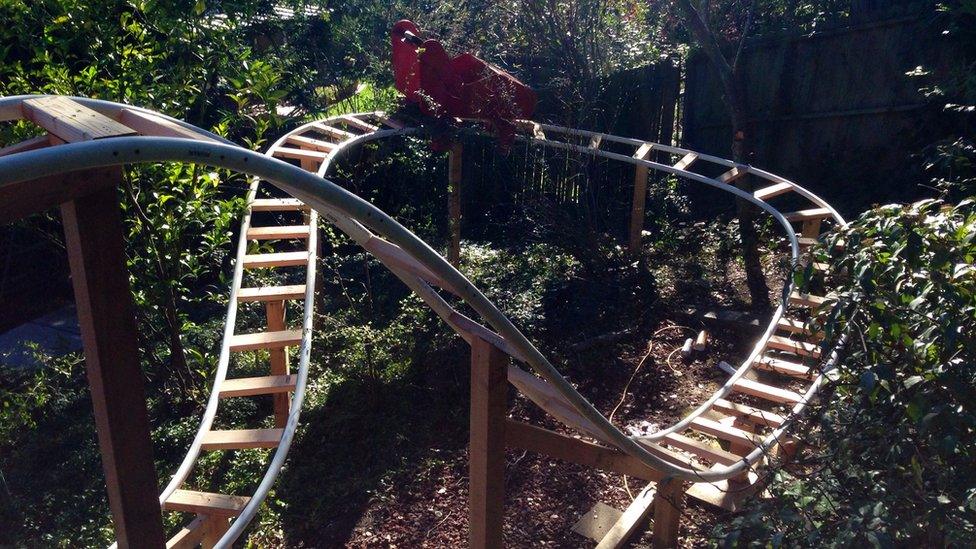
76,164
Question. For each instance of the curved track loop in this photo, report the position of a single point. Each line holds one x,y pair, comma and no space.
753,429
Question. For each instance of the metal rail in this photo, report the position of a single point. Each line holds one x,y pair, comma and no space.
363,221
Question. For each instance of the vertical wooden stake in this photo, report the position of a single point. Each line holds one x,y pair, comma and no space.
454,203
637,207
275,313
95,242
214,528
486,454
668,502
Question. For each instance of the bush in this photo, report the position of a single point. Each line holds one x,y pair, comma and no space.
896,441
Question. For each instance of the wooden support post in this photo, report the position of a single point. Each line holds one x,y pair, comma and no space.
94,238
275,313
640,197
214,527
486,454
454,203
668,503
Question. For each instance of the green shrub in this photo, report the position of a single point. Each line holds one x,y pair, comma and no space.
894,446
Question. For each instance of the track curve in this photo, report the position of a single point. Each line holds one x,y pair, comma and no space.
424,269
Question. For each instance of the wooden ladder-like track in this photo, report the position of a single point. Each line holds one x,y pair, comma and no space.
717,448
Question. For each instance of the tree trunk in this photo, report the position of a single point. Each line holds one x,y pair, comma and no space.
734,94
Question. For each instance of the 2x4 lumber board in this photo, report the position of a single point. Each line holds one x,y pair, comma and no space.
278,205
391,254
636,514
27,145
751,414
643,151
71,121
299,154
359,123
701,449
279,232
205,503
276,259
259,385
96,254
486,455
686,161
149,124
736,173
393,123
215,528
275,315
797,327
277,339
311,143
724,432
551,401
784,367
773,190
638,203
810,214
595,141
799,348
807,300
566,448
767,392
669,500
272,293
239,439
332,131
190,536
23,198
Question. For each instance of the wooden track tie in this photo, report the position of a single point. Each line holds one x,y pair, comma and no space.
783,367
771,191
811,214
205,503
724,432
272,293
767,392
753,415
238,439
265,340
278,205
261,385
276,259
279,232
799,348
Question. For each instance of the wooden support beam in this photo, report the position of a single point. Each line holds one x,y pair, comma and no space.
639,200
486,454
567,448
95,242
668,503
150,124
215,528
454,203
24,198
630,522
275,313
71,121
28,145
190,536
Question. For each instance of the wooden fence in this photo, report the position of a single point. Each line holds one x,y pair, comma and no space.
835,111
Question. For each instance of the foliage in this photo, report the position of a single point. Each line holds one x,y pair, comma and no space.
898,437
